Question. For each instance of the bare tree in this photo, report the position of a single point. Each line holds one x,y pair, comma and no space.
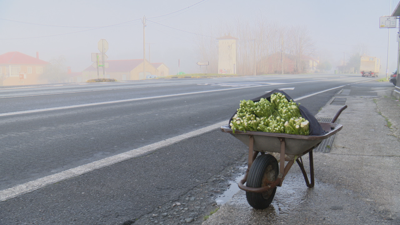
263,47
56,70
360,49
300,45
208,50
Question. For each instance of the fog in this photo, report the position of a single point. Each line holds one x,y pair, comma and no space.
187,30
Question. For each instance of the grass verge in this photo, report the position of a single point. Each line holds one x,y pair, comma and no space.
388,123
211,213
101,80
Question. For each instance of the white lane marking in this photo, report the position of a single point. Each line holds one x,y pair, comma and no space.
330,89
130,100
73,172
118,87
316,93
114,87
127,100
118,101
289,88
247,84
283,89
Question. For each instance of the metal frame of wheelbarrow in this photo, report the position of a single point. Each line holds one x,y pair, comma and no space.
331,129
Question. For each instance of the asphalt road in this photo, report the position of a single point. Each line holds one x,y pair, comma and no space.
49,129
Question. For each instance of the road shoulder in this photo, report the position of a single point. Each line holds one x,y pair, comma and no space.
356,183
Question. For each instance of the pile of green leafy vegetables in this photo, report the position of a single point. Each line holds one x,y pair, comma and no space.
276,116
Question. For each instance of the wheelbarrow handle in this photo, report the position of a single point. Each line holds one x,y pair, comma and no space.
338,113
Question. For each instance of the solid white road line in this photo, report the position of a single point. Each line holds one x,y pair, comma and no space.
316,93
118,101
73,172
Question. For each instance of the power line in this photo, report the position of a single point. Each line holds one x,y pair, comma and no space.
183,9
90,27
45,25
94,28
189,32
53,35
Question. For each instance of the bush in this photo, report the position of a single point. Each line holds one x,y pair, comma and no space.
101,80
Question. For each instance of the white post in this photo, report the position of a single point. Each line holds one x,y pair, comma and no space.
144,48
398,57
387,57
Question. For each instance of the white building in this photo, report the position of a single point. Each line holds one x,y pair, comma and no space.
227,54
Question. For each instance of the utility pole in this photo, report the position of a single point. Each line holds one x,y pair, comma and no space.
144,48
282,54
97,66
387,57
388,46
149,52
255,60
398,58
102,59
149,49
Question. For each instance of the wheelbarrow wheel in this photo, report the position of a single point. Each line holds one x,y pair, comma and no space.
263,172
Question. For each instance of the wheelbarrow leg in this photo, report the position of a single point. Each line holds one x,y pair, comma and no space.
252,156
301,165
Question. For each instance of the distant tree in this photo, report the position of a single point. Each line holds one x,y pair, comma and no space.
300,45
324,66
56,70
354,63
256,43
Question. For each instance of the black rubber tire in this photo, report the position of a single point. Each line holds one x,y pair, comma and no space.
264,170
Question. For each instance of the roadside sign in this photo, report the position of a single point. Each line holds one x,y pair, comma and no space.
102,45
105,65
100,65
203,63
387,22
99,57
104,57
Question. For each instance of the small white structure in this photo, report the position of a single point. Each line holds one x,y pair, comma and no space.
227,54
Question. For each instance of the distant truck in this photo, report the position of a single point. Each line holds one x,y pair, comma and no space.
369,66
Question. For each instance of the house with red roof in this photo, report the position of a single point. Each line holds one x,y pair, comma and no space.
127,69
73,77
17,68
274,63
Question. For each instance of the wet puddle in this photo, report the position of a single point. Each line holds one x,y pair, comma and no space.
228,194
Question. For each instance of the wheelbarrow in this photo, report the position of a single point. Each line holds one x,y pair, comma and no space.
263,174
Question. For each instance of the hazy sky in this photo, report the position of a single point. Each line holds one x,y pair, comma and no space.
73,28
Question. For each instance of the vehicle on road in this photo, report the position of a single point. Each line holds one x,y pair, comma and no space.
393,79
369,66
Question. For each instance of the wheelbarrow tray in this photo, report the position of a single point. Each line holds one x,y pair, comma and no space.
295,144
